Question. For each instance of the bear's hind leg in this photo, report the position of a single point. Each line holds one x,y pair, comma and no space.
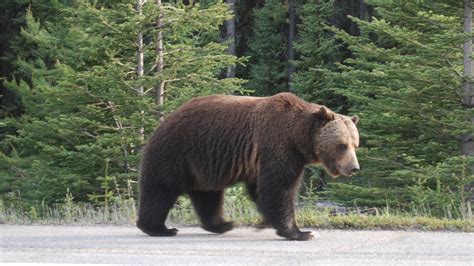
154,206
208,206
252,191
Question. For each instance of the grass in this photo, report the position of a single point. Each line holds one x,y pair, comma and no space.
240,210
123,212
323,220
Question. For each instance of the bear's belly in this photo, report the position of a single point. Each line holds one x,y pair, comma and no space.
219,178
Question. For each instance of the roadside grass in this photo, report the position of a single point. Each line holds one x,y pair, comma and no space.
385,221
238,209
123,212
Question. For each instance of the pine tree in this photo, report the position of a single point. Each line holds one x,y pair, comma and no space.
404,81
267,49
468,87
318,51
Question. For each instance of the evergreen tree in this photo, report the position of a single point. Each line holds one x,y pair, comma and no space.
318,51
244,22
267,49
404,81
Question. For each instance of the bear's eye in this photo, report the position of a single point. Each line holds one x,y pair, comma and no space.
343,147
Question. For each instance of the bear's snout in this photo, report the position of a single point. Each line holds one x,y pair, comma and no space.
354,170
350,168
349,163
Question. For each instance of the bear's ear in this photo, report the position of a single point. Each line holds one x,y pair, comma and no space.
325,114
355,119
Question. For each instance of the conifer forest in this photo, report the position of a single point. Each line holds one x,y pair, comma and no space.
85,82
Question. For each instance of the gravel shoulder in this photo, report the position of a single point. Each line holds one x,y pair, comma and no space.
242,246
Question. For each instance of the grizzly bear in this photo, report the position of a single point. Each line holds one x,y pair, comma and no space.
213,142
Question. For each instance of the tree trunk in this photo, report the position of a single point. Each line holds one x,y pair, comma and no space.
140,70
355,8
468,99
160,86
291,40
230,28
189,2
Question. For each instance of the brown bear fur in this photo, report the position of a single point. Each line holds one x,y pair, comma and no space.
212,142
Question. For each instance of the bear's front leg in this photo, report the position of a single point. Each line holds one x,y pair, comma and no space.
277,189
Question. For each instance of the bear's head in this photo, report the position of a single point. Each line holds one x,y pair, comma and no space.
337,142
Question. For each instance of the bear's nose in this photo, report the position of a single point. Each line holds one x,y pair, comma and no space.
354,170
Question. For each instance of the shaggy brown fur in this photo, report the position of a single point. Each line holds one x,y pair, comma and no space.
212,142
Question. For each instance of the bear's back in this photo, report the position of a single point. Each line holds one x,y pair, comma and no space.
216,112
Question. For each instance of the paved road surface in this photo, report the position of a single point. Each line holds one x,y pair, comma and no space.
245,246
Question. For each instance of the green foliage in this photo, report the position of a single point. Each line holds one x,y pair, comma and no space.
403,80
267,47
445,191
319,51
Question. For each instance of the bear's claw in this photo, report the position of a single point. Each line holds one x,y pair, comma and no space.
219,228
162,231
297,235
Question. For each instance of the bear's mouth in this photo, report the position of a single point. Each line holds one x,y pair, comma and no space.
345,173
341,171
334,172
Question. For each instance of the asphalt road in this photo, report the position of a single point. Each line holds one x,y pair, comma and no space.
244,246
